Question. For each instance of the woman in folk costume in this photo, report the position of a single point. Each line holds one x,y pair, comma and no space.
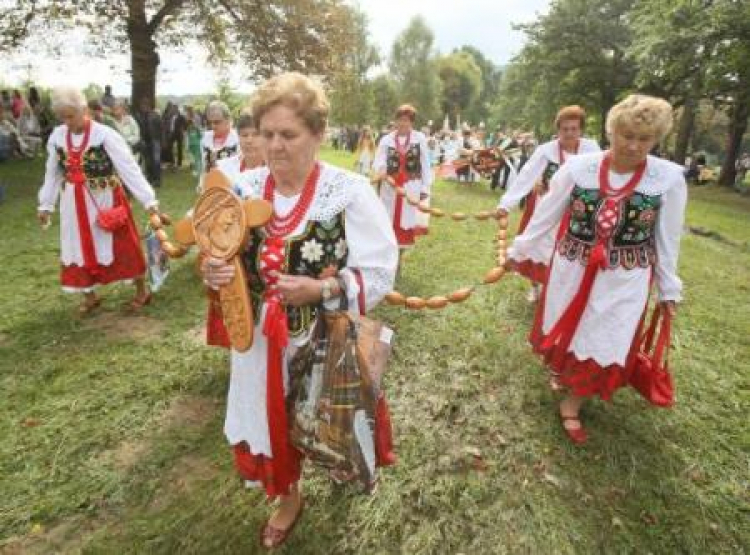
220,140
365,152
403,155
533,182
328,236
619,214
249,158
87,167
250,155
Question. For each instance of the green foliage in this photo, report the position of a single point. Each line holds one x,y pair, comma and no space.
491,75
385,99
462,83
413,68
576,54
351,90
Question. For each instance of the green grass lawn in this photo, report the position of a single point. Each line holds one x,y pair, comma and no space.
112,425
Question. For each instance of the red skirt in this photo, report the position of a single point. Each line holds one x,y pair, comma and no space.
128,260
584,378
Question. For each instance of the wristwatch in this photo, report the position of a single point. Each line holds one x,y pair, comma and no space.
326,289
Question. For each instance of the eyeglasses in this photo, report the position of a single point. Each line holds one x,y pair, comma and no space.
215,121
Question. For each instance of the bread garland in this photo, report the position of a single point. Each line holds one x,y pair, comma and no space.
437,302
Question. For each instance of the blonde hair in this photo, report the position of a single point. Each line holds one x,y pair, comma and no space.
642,112
296,92
67,97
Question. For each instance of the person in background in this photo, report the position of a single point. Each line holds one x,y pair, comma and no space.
31,133
365,152
220,141
17,104
9,129
403,156
89,166
34,100
108,99
7,103
177,128
126,125
534,182
149,124
194,131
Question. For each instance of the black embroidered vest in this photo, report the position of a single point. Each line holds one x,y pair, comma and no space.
97,165
549,173
633,241
319,250
210,157
413,162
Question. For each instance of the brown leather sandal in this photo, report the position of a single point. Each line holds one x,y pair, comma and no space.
272,537
86,308
139,302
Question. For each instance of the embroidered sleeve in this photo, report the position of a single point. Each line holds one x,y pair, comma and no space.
668,235
372,247
53,178
128,169
524,182
537,242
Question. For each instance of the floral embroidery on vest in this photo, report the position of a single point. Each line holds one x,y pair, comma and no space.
632,244
319,251
97,166
413,162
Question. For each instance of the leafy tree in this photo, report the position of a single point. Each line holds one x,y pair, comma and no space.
413,68
576,54
269,35
462,83
352,92
491,76
385,99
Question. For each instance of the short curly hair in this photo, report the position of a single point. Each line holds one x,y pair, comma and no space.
573,112
643,113
407,110
295,91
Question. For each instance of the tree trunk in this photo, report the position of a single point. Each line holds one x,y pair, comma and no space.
685,129
144,60
737,128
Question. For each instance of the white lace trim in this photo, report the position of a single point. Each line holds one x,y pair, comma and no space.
335,191
660,176
378,283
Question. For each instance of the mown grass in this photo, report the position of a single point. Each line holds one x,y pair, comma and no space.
112,437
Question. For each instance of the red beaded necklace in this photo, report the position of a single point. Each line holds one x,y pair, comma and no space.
280,226
561,152
605,188
74,162
84,143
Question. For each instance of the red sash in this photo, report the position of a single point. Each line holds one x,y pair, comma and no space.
75,174
606,220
